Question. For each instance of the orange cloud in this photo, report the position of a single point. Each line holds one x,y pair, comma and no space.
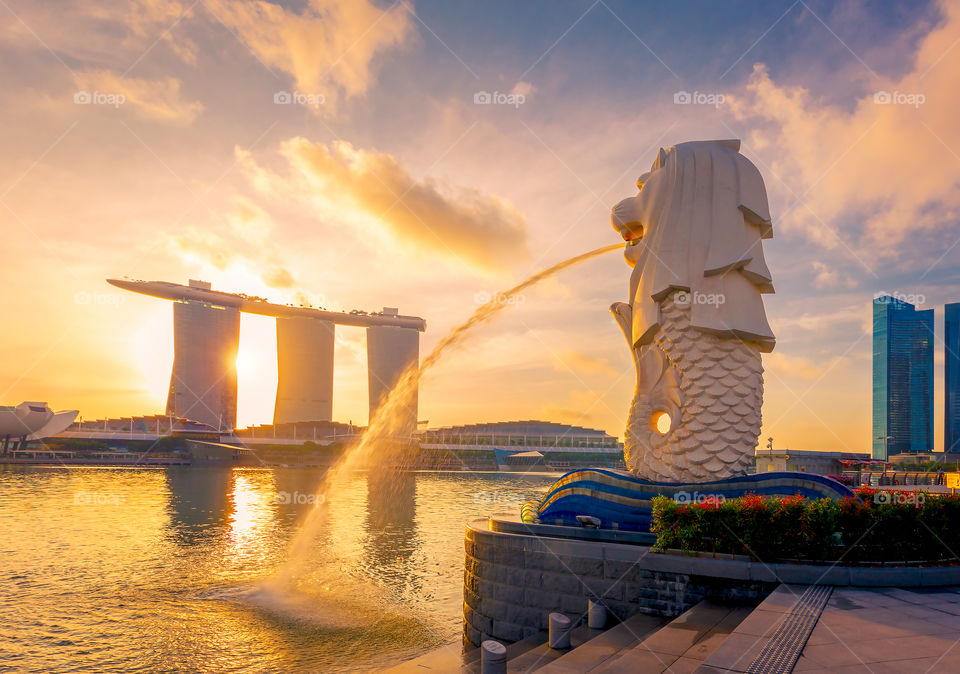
158,100
891,160
247,243
796,367
330,46
483,230
582,363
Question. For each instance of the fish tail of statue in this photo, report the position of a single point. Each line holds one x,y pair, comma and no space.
711,388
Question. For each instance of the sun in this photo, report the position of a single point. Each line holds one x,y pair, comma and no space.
247,363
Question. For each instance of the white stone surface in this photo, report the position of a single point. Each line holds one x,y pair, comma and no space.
695,320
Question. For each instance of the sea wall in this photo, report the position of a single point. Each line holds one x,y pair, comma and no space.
513,582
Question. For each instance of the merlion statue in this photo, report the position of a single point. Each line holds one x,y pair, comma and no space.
695,321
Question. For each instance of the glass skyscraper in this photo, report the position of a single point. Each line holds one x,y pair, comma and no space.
902,378
951,378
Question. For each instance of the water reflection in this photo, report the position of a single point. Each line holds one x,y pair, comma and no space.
158,570
391,533
199,502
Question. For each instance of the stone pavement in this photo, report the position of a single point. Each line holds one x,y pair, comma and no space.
860,630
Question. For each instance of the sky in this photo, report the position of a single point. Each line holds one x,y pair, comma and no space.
333,151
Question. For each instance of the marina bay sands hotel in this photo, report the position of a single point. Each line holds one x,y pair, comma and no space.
206,335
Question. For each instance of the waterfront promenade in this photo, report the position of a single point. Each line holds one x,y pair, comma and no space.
797,628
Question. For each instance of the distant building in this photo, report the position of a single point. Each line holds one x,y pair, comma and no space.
390,352
320,432
951,378
148,427
805,461
509,445
206,322
522,434
902,378
203,384
304,370
30,421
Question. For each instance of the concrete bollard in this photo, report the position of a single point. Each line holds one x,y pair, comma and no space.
596,616
493,657
559,631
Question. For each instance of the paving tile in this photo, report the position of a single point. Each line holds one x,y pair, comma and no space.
865,597
854,669
894,617
906,595
761,623
848,627
783,598
889,650
447,658
808,666
685,665
876,651
945,606
914,666
830,655
736,652
638,660
707,645
675,639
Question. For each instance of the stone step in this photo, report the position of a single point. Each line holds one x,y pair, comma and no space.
514,650
448,658
543,655
453,657
601,648
681,645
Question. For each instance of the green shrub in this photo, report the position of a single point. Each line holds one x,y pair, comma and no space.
894,526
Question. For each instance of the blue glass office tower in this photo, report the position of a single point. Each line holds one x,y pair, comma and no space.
951,378
902,378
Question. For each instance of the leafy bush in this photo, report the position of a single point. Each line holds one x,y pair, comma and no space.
874,526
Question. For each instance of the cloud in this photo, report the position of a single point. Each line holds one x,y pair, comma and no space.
889,160
522,88
582,363
819,320
462,223
247,243
830,278
796,367
329,46
158,100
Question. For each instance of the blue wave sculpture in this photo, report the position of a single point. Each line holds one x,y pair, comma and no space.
621,501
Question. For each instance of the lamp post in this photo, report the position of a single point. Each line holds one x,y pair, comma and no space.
884,438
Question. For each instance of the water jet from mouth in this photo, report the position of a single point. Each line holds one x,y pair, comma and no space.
388,435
